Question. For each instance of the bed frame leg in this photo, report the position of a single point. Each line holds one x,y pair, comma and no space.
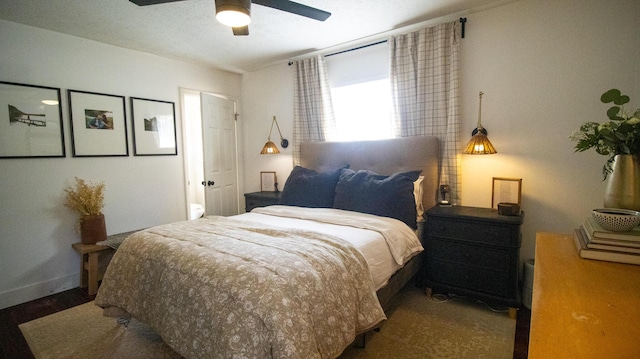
429,292
360,341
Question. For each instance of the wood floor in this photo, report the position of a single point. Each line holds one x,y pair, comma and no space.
13,345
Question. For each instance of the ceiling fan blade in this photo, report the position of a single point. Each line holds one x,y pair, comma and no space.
295,8
151,2
241,30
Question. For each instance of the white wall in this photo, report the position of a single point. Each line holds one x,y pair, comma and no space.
542,66
268,92
36,230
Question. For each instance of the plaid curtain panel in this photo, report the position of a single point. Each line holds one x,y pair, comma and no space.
425,89
313,118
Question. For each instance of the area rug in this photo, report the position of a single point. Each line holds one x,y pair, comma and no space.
417,327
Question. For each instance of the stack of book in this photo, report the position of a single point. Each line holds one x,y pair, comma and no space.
595,242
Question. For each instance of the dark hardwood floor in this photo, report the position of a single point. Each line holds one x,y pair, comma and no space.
14,346
12,343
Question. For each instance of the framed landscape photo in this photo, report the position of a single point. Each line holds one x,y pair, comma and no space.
506,190
268,181
98,124
154,127
30,121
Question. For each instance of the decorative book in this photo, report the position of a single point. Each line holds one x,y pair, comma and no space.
580,240
610,244
596,231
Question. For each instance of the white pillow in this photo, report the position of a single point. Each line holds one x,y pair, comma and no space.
417,193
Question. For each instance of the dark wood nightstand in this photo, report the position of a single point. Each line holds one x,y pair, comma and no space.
260,199
475,252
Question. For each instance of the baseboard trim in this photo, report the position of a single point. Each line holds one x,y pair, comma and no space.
38,290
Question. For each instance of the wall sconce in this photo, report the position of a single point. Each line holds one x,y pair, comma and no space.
479,143
270,147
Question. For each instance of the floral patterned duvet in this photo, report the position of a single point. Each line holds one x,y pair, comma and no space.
221,287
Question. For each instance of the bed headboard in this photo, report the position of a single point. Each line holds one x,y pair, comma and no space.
383,156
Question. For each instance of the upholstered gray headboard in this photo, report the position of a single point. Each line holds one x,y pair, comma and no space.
384,157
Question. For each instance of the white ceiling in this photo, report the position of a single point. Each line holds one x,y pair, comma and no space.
188,30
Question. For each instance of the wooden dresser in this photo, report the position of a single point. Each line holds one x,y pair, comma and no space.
582,308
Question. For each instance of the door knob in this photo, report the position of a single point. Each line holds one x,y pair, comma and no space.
204,183
210,183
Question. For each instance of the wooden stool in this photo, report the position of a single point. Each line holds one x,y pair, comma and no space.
94,261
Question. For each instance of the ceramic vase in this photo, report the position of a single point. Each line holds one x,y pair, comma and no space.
93,229
623,184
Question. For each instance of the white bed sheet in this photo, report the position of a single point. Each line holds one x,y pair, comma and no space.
371,243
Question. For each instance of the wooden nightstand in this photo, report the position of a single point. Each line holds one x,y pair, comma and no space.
94,262
475,252
260,199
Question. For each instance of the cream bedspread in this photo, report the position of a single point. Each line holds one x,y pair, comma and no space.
221,287
402,242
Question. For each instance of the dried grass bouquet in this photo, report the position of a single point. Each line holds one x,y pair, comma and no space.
85,198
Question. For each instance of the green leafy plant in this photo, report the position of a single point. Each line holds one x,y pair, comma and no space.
620,135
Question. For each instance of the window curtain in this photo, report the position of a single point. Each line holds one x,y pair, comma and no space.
313,118
424,83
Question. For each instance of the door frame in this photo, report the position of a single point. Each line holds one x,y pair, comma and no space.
186,150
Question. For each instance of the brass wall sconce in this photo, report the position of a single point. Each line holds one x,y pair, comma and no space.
479,143
270,148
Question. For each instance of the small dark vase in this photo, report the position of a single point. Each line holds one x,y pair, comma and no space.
93,229
623,184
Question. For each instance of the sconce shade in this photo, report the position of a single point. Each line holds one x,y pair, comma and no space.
234,13
479,143
269,149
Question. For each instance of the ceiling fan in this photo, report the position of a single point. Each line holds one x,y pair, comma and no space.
237,13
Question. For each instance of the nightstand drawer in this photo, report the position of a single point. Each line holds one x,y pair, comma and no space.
260,199
258,202
492,234
466,254
471,278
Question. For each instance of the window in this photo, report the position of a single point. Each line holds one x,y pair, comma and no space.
363,111
360,93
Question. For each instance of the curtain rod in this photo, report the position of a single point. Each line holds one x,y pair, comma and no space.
356,48
463,21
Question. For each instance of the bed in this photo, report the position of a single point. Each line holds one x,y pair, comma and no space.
244,287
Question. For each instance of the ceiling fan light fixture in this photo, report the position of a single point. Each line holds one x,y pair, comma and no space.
233,13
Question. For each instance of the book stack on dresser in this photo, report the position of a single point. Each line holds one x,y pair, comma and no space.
595,242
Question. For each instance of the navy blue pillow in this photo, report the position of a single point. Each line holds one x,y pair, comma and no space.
308,188
369,192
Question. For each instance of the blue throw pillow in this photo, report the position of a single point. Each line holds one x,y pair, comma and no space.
308,188
387,196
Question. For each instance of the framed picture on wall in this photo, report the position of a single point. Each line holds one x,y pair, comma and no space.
30,121
98,124
154,127
268,181
506,190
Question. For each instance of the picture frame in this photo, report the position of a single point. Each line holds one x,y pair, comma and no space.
268,181
30,121
154,127
98,124
506,190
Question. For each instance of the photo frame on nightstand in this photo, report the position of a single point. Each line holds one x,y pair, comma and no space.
506,190
268,181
